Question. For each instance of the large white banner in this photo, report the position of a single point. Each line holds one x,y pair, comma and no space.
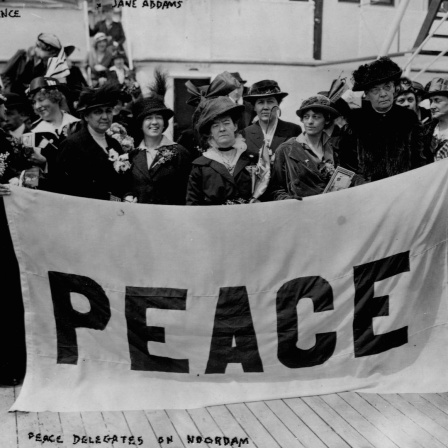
133,306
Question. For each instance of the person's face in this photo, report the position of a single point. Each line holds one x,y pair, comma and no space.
45,108
439,106
109,14
314,122
101,46
263,108
41,53
408,101
223,131
119,63
100,119
153,125
14,119
381,96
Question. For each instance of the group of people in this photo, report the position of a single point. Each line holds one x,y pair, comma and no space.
239,150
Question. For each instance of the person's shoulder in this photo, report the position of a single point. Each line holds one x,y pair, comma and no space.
202,161
252,129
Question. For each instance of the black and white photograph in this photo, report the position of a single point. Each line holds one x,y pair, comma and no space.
224,223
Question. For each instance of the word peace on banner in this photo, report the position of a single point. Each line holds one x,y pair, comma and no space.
132,306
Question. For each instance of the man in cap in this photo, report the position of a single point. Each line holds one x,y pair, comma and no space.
382,139
18,112
24,66
266,97
113,30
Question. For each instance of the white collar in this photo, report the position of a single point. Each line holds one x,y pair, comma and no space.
164,142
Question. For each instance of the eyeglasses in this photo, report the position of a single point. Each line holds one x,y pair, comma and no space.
386,87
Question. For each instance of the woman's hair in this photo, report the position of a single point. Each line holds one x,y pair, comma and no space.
53,95
327,116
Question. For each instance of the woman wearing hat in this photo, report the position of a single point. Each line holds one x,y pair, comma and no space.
98,60
53,126
303,165
220,175
382,139
266,97
159,167
85,165
436,131
409,94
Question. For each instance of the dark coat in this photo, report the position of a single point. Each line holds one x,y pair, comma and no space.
284,131
211,184
162,183
376,145
83,168
115,31
296,174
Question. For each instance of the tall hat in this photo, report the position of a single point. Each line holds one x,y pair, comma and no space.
377,72
263,89
154,103
217,107
437,86
318,103
105,96
221,86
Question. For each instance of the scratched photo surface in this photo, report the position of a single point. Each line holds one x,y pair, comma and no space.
304,46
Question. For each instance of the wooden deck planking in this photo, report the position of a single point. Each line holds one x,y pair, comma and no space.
433,412
418,417
94,424
326,433
344,429
205,423
140,427
232,427
293,422
186,427
163,429
274,425
357,420
386,425
424,438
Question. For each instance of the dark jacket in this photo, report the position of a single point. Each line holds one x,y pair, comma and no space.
115,31
211,184
284,131
162,183
296,173
377,145
83,168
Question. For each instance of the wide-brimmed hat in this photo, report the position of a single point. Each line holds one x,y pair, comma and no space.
377,72
50,41
105,96
263,89
150,105
217,107
318,103
237,76
437,86
43,82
